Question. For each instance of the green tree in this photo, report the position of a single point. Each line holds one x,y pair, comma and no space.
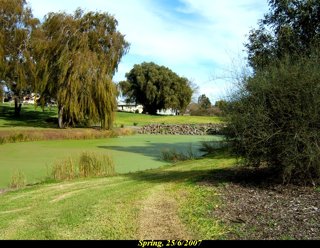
16,25
273,118
291,27
221,104
156,88
204,102
76,57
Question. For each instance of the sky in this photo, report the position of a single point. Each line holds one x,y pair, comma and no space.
202,40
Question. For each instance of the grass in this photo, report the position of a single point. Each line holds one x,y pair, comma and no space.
31,117
111,208
130,153
128,119
89,165
18,180
36,118
24,135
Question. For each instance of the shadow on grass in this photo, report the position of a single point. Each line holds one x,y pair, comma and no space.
29,117
244,176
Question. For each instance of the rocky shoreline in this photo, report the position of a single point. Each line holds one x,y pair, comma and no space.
182,129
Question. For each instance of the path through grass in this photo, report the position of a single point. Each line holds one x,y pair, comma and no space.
118,207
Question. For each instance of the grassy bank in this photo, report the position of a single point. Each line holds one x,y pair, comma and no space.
120,207
128,119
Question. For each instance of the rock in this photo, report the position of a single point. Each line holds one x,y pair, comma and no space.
183,129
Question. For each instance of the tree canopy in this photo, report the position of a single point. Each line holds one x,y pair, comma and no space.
76,57
291,27
16,25
156,88
204,102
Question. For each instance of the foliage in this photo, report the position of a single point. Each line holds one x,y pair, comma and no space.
195,109
18,180
221,105
291,27
156,88
76,57
174,156
16,25
274,118
89,165
204,102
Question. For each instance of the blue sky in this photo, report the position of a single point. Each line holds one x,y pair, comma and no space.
201,40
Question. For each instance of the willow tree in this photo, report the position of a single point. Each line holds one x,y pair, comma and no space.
156,88
75,62
16,25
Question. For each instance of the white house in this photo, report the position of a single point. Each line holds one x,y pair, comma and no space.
130,107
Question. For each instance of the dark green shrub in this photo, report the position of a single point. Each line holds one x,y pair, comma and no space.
274,119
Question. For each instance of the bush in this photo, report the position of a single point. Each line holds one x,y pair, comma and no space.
175,156
93,165
274,119
89,165
64,170
18,180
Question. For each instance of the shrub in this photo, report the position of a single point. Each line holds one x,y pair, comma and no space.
64,170
89,165
175,156
274,119
92,165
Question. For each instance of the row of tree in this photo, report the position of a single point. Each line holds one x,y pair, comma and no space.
204,107
70,58
274,117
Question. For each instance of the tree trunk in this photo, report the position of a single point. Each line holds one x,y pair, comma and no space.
17,106
60,116
150,110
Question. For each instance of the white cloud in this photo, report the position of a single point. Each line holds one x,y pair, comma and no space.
196,46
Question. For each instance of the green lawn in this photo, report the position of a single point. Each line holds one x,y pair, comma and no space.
166,203
130,153
37,118
30,117
128,119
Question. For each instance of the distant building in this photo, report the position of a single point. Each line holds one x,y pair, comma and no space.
167,112
130,107
137,108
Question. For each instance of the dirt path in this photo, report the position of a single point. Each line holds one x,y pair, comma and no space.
158,218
